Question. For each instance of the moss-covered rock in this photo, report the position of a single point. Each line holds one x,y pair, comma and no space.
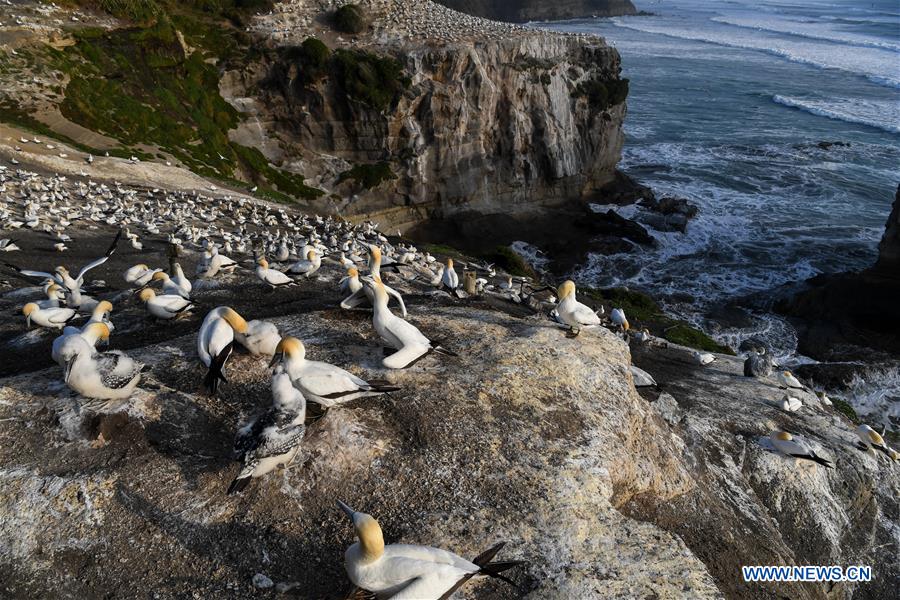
350,18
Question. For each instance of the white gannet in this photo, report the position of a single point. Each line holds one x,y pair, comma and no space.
823,398
702,358
366,294
787,380
140,275
790,403
102,376
91,333
165,307
869,438
51,318
351,283
321,382
55,293
271,276
179,278
215,342
572,312
260,339
450,279
786,444
169,287
401,335
617,316
274,438
8,245
61,274
408,571
308,266
101,313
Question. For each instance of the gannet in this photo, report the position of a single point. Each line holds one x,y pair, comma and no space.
169,287
351,284
617,316
321,382
102,376
411,572
140,275
61,274
409,342
823,398
787,380
790,403
91,334
785,443
54,293
702,358
308,266
8,245
167,306
572,312
179,278
274,438
869,438
271,276
450,279
101,313
51,318
260,339
215,343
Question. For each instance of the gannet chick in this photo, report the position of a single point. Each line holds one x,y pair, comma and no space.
260,339
101,376
271,276
274,438
215,343
702,358
50,318
169,287
785,443
617,316
409,571
307,267
351,283
165,307
321,382
869,438
787,380
758,365
409,342
572,312
91,334
140,275
450,279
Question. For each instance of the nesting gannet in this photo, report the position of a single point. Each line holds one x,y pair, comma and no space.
869,438
572,312
308,266
786,444
101,313
702,358
169,287
167,306
140,275
790,403
260,339
409,571
321,382
617,316
787,380
643,336
55,293
91,334
351,283
274,438
102,376
178,278
823,398
51,318
450,279
758,365
409,342
271,276
215,343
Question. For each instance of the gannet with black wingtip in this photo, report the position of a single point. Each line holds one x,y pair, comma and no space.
61,274
401,335
49,318
321,382
572,312
308,266
140,275
165,307
787,380
214,343
618,318
272,277
100,376
169,287
786,444
274,438
406,571
365,295
180,279
450,279
870,439
260,339
91,333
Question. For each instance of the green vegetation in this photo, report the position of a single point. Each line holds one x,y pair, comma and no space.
368,176
350,19
375,81
602,94
311,59
845,408
643,311
504,257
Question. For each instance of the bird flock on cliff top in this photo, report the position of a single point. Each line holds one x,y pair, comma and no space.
238,239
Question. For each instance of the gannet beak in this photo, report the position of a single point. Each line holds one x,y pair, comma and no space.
277,358
347,510
28,322
69,364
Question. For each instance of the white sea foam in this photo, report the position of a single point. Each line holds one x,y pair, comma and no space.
877,393
532,254
881,115
811,30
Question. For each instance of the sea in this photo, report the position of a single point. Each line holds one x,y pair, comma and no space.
780,119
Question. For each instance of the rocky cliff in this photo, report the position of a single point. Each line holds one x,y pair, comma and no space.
519,11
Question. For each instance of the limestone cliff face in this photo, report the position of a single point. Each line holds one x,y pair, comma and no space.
496,126
541,10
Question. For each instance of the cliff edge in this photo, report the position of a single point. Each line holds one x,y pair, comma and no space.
520,11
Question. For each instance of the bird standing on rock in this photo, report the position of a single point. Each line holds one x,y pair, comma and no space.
786,444
617,316
100,376
215,343
572,312
869,438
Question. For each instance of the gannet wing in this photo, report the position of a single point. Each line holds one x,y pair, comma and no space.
276,441
61,316
102,259
406,356
585,315
30,273
354,299
111,375
392,292
247,437
331,385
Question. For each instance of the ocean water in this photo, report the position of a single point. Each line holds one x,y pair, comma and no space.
729,101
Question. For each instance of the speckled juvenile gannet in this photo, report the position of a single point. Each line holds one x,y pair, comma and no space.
787,380
274,438
869,438
406,571
102,376
165,307
321,382
617,316
51,318
271,276
260,339
785,443
91,333
409,342
215,343
572,312
140,275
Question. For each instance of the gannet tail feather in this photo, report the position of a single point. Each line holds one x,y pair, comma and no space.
440,349
240,483
881,448
380,385
214,375
814,458
488,568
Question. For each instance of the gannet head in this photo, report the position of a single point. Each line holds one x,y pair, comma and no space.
104,306
52,290
449,263
99,331
27,310
566,289
310,255
236,321
146,295
784,436
368,531
159,276
142,266
288,347
263,263
353,272
62,270
786,373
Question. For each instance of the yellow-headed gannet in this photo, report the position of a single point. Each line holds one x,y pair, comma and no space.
869,438
178,277
169,287
617,316
786,444
787,380
61,274
101,313
91,333
167,306
274,438
450,279
351,283
321,382
215,342
51,318
572,312
308,266
406,571
102,376
140,275
366,294
55,293
271,276
401,335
